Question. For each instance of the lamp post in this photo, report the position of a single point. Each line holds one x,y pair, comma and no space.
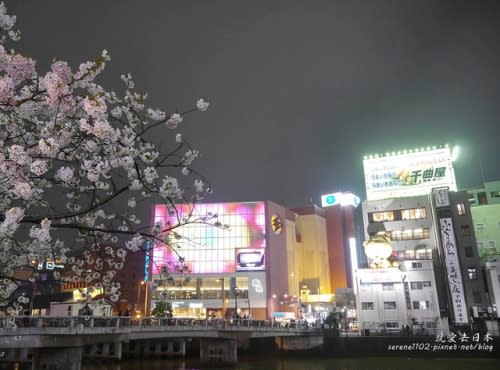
146,290
138,306
236,294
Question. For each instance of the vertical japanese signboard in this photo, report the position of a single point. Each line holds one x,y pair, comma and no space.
455,283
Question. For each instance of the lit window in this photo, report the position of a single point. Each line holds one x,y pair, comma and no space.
421,254
418,233
396,235
420,213
389,216
461,209
427,234
472,273
420,305
465,230
407,234
410,254
390,305
367,306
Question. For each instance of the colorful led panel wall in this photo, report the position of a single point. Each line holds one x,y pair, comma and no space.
211,249
408,174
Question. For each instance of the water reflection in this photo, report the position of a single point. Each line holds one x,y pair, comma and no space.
303,363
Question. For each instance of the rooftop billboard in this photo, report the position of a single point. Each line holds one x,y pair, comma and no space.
409,173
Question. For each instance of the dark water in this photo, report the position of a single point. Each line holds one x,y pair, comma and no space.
261,362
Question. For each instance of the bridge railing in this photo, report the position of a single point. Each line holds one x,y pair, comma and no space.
144,322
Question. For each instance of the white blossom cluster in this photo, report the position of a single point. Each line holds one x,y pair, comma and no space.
75,161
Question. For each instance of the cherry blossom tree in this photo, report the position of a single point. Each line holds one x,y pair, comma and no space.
76,160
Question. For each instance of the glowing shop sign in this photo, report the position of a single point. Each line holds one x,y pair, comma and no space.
48,265
344,199
257,285
409,174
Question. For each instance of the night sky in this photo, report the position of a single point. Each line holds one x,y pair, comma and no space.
300,91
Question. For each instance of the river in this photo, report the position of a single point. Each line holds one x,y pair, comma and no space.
263,362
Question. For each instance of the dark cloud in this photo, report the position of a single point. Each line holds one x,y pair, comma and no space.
300,91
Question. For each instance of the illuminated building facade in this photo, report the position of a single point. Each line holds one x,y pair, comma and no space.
240,269
485,210
312,270
426,275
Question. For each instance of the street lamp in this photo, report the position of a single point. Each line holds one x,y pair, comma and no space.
236,294
138,305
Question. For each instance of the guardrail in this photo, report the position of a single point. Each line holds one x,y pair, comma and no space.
145,322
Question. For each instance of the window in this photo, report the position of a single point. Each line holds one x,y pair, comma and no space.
416,285
423,254
479,227
495,194
472,199
396,235
389,216
418,233
407,234
461,209
420,213
480,245
387,286
406,214
469,252
472,273
365,286
431,324
392,325
367,306
383,216
465,230
491,243
420,305
416,265
413,214
410,254
482,199
390,305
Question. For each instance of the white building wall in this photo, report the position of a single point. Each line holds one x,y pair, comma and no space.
493,277
370,286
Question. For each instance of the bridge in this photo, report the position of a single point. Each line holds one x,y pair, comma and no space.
62,342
